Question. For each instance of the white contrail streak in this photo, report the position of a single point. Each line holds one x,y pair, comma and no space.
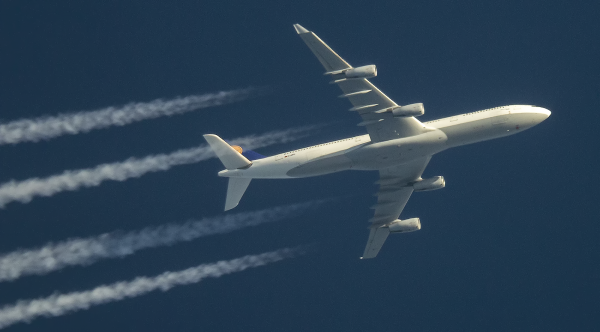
85,251
24,191
44,128
61,304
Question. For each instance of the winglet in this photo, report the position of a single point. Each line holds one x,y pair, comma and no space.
300,29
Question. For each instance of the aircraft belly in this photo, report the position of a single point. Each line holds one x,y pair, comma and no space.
486,129
321,166
469,132
396,152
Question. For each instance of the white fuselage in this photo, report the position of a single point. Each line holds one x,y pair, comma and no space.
358,153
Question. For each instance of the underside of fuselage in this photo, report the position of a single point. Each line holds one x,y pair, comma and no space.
375,156
358,153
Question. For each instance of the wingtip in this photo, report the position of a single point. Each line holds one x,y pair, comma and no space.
211,138
227,207
300,29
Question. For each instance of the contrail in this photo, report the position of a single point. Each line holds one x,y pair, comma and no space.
85,251
44,128
24,191
61,304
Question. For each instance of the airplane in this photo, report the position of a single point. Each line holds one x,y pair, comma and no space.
397,145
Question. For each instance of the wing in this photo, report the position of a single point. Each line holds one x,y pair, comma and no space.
394,192
366,99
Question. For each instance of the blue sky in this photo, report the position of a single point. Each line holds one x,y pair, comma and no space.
510,244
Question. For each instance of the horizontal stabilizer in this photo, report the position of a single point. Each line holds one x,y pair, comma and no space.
377,238
230,158
235,190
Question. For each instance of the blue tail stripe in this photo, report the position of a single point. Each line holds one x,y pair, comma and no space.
251,155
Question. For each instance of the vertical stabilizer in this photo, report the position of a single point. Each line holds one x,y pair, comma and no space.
235,191
230,158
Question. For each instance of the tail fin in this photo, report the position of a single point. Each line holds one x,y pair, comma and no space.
251,155
235,191
230,158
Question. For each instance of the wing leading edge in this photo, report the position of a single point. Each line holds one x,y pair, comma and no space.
370,103
367,100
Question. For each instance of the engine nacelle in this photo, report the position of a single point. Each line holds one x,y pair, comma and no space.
361,72
436,182
409,110
403,226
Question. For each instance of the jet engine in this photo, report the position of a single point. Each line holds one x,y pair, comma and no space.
403,226
409,110
361,72
436,182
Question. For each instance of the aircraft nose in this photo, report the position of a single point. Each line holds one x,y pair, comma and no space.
541,114
543,111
